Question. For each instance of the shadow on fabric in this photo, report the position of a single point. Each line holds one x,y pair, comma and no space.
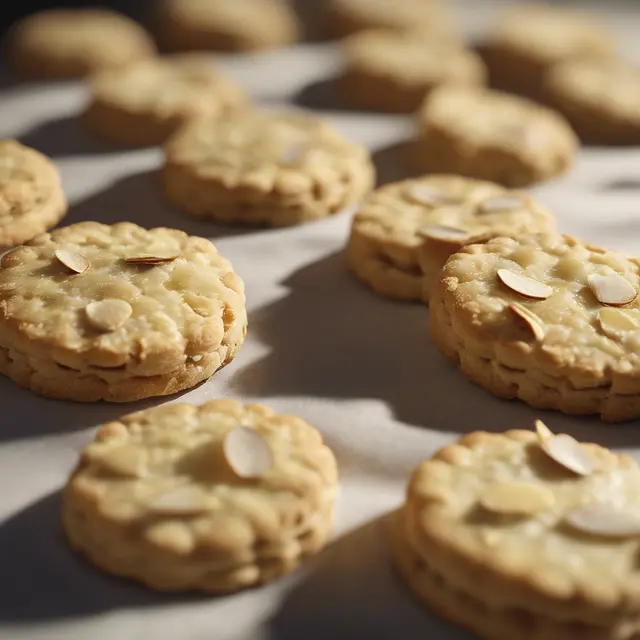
138,198
350,590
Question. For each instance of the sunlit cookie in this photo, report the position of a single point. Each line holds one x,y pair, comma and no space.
146,102
490,135
405,231
264,169
547,319
524,535
215,498
97,312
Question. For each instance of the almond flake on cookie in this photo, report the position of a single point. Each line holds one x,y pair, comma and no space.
75,262
525,286
247,453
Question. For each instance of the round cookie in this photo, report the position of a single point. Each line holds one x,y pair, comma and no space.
394,71
565,336
405,231
502,538
224,25
492,136
266,169
530,40
66,43
96,312
215,498
31,195
600,98
346,17
145,103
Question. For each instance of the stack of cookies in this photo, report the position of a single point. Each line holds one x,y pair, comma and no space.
518,535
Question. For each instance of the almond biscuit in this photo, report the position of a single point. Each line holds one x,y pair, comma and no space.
96,312
530,39
493,136
509,541
69,43
405,231
264,169
215,498
547,319
146,102
600,98
226,25
31,195
394,71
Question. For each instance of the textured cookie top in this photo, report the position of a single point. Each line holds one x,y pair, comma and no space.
241,17
538,528
550,34
28,181
93,38
412,58
448,210
222,476
260,148
583,299
423,15
119,296
607,85
182,85
496,119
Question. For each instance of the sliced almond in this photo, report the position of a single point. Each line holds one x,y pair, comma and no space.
424,194
500,204
183,501
525,286
617,321
568,452
450,235
530,319
611,289
108,315
544,433
247,453
124,460
607,522
151,259
196,358
517,498
75,262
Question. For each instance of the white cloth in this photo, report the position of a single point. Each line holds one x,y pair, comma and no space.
320,345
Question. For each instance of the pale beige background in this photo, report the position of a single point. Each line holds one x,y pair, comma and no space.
320,345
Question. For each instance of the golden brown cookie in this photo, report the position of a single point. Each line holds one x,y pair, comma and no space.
405,231
394,71
65,43
146,102
96,312
215,498
346,17
518,535
547,319
600,98
493,136
530,39
31,195
264,169
224,25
